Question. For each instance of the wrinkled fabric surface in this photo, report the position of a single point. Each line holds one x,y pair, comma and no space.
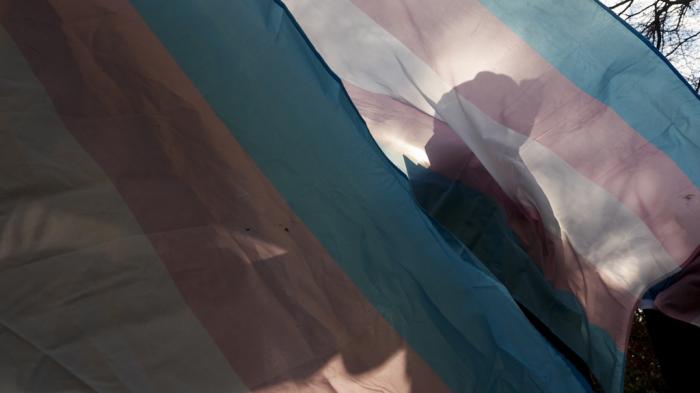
191,203
581,132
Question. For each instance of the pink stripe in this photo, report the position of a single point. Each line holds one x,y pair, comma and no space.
605,307
280,309
682,299
456,38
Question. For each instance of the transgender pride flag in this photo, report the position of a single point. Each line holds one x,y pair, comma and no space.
585,136
199,196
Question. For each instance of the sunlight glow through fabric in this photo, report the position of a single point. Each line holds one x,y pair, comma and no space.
336,195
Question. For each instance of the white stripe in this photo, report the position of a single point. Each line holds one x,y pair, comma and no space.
599,227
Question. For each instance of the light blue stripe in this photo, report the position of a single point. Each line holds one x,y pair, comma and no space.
601,56
292,116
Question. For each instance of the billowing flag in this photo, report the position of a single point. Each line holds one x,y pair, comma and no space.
190,202
550,116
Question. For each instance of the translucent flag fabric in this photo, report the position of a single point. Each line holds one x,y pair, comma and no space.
570,125
190,202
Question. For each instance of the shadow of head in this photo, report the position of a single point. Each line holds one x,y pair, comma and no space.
496,96
499,97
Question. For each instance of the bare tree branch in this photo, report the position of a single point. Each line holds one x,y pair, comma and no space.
672,26
682,42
